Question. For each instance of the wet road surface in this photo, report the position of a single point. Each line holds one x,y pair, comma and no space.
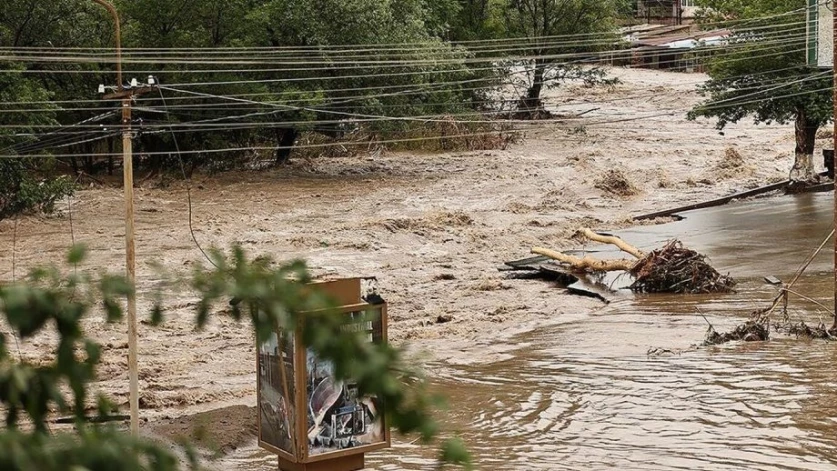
586,395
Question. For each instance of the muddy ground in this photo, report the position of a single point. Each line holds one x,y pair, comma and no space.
432,228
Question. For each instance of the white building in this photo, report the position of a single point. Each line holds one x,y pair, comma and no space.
820,34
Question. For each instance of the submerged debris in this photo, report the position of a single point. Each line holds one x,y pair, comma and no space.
802,329
758,330
750,331
675,269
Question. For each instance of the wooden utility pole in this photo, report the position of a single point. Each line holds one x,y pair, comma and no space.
127,95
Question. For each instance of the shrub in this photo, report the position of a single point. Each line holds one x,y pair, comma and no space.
21,192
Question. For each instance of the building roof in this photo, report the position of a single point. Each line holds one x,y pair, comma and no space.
680,37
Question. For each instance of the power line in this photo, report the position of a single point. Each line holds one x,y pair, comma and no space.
365,88
188,189
344,48
330,66
662,113
360,61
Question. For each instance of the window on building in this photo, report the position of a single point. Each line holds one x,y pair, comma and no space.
687,3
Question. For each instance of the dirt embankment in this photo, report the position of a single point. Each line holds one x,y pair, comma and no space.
218,431
432,228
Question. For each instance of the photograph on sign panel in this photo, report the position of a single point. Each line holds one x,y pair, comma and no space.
338,418
276,393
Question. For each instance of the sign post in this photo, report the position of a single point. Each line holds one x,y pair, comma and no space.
312,421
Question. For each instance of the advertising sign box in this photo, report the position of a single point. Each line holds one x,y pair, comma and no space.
306,416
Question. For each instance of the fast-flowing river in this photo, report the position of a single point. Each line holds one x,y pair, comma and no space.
586,395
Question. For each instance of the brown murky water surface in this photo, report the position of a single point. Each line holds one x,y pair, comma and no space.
579,391
585,394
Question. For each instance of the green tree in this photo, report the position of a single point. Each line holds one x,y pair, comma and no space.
479,20
557,60
20,188
764,74
313,81
429,80
627,10
268,297
47,25
317,87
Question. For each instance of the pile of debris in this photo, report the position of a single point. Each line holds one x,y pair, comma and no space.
672,269
616,183
750,331
675,269
758,328
803,330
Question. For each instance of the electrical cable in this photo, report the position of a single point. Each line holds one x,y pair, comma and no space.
590,123
331,65
343,48
14,280
350,89
188,181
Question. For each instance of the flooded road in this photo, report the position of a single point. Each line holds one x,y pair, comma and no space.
583,394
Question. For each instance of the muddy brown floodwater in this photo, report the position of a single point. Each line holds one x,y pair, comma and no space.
584,394
537,379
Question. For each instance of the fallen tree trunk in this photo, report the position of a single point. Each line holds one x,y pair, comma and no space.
672,269
612,240
587,263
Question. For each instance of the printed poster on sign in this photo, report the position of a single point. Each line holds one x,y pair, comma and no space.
276,392
338,418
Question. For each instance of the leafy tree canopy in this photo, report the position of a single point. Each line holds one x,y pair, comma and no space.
764,73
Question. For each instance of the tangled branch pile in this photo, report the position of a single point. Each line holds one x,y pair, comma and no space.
672,269
758,330
675,269
750,331
758,327
803,330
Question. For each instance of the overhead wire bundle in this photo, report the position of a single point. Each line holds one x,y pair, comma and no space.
225,90
306,87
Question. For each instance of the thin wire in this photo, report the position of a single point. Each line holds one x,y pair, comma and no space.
341,101
364,115
188,187
351,89
338,100
788,84
398,74
260,103
344,47
634,118
81,124
393,141
305,146
622,53
527,42
799,29
41,146
14,280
